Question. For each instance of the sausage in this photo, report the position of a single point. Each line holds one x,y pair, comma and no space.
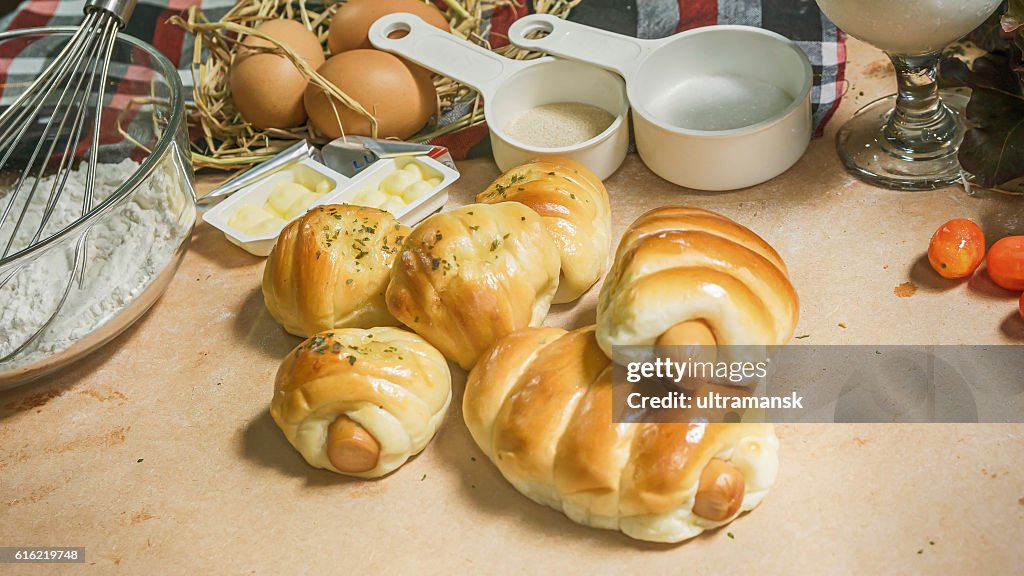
350,447
686,341
720,491
688,333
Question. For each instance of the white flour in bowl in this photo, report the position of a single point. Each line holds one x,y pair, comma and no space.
127,248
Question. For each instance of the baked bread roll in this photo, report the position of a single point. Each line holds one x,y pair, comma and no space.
330,269
574,206
686,276
539,405
467,277
361,402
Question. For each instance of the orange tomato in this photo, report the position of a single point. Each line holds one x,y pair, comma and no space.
957,248
1021,305
1006,263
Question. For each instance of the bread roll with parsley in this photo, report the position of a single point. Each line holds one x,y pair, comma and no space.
467,277
685,276
330,269
539,405
573,203
361,402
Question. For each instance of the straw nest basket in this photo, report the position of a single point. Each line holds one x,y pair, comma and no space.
222,139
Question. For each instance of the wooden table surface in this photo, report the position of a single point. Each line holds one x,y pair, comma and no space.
158,455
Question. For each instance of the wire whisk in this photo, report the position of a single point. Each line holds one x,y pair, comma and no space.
67,101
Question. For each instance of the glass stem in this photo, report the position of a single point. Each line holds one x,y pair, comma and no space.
920,123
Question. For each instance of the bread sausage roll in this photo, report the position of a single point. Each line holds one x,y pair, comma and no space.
467,277
573,203
330,269
361,402
539,405
685,276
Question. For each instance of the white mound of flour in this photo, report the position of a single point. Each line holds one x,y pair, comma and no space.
127,248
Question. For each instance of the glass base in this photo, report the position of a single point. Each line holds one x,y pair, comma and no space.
870,155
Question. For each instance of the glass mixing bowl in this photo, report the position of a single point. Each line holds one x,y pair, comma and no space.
138,231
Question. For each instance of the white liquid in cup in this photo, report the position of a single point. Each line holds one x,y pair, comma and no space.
908,27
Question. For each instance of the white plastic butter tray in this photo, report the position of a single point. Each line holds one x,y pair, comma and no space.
342,190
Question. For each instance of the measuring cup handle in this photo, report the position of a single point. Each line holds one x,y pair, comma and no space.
442,52
574,41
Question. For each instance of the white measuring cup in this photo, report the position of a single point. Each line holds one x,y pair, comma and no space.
714,108
511,87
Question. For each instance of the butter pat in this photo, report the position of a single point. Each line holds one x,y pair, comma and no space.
290,199
419,188
372,198
254,220
396,182
393,205
287,200
398,189
253,217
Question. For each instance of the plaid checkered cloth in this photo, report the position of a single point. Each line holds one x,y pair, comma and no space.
799,20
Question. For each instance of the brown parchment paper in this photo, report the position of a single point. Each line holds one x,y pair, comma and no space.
157,454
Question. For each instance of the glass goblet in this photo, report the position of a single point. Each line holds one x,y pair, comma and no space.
907,140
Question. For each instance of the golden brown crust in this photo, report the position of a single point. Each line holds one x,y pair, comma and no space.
539,404
573,203
537,409
333,367
593,450
679,264
467,277
682,218
509,356
390,382
330,269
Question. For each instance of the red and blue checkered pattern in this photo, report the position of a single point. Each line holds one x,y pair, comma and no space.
799,20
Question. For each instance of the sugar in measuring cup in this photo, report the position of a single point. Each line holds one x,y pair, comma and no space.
714,108
523,99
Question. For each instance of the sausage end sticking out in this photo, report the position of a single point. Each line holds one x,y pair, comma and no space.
350,447
686,341
688,333
720,491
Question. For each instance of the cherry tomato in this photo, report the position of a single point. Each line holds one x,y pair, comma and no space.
1006,263
957,248
1021,305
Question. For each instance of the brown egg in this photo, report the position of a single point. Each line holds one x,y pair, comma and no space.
266,88
401,97
351,23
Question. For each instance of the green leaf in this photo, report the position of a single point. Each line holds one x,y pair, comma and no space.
993,145
993,149
989,71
